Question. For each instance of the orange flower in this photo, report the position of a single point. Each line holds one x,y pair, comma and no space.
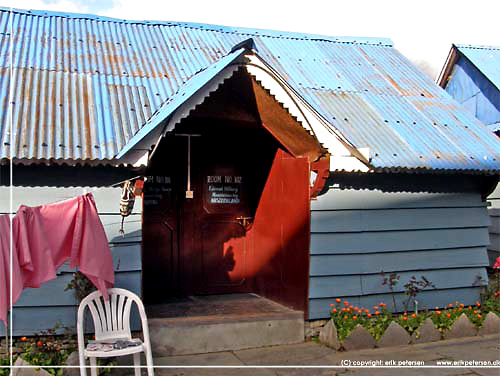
478,304
462,306
450,305
448,315
460,309
382,304
377,312
334,310
478,316
405,318
350,307
367,311
369,315
405,314
474,312
497,293
414,315
331,305
355,318
39,343
345,317
375,308
23,339
337,300
470,308
346,303
438,312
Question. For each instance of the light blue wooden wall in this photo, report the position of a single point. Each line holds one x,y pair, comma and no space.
494,210
40,309
356,234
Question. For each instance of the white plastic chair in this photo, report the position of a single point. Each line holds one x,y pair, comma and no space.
111,323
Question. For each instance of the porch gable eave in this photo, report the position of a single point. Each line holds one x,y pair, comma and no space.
156,126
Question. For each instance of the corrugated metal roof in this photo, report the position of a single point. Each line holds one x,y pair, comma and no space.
152,128
84,86
485,58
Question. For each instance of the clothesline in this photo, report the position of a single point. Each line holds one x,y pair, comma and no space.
45,237
114,185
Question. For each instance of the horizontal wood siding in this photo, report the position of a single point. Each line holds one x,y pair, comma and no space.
357,234
494,247
40,309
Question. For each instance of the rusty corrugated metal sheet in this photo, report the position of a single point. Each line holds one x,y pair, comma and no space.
84,85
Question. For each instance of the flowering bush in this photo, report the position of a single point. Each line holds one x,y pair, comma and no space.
48,350
410,322
346,317
379,321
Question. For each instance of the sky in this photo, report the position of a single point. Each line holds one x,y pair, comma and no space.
422,30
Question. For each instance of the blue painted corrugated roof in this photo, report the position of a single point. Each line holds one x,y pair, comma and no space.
485,58
83,86
194,84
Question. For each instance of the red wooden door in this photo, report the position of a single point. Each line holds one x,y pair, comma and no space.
216,248
281,233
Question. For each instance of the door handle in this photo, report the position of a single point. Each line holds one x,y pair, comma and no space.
245,222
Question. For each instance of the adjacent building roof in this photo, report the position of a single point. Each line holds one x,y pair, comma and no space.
471,75
79,87
485,58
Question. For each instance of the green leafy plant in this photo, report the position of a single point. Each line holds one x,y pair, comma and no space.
81,286
443,320
491,300
4,365
411,322
476,315
48,350
379,321
346,317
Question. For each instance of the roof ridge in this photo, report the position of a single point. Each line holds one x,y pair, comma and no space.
376,41
477,46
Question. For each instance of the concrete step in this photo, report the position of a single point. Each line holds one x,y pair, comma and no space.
222,323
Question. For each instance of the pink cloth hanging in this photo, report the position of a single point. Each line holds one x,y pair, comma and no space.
73,231
30,241
5,268
46,236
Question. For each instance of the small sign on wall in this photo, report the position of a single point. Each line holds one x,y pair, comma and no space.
156,188
223,190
